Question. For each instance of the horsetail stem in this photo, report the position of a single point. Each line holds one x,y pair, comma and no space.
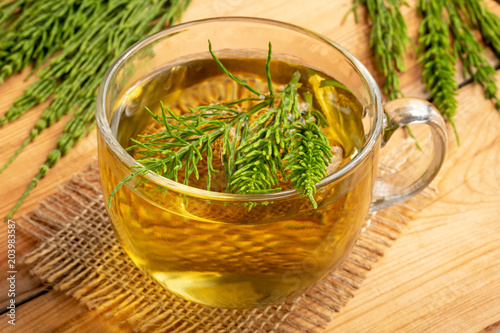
90,35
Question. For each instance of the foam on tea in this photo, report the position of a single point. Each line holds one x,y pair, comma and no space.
221,252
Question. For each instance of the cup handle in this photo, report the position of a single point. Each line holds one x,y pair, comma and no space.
402,185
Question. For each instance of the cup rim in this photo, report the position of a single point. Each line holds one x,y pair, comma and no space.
105,129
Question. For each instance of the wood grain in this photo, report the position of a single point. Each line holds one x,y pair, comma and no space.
441,275
56,313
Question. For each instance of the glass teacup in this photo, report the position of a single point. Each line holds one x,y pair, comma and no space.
241,251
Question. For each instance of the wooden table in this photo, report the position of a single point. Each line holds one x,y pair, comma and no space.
441,275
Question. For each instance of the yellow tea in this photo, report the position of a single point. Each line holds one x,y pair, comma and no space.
221,252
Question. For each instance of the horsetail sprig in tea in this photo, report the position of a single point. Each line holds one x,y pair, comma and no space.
277,138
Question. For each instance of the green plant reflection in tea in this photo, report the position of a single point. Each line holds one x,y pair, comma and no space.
221,253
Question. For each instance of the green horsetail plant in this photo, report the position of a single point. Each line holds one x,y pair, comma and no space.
33,30
436,57
285,141
90,35
480,16
388,40
442,20
472,53
308,157
261,151
73,132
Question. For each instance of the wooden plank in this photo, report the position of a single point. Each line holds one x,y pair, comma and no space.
55,312
322,16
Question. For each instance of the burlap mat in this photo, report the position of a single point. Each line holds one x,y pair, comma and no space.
79,255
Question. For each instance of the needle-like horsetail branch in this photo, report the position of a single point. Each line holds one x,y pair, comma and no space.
282,140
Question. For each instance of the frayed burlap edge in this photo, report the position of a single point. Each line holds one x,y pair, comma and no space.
80,256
